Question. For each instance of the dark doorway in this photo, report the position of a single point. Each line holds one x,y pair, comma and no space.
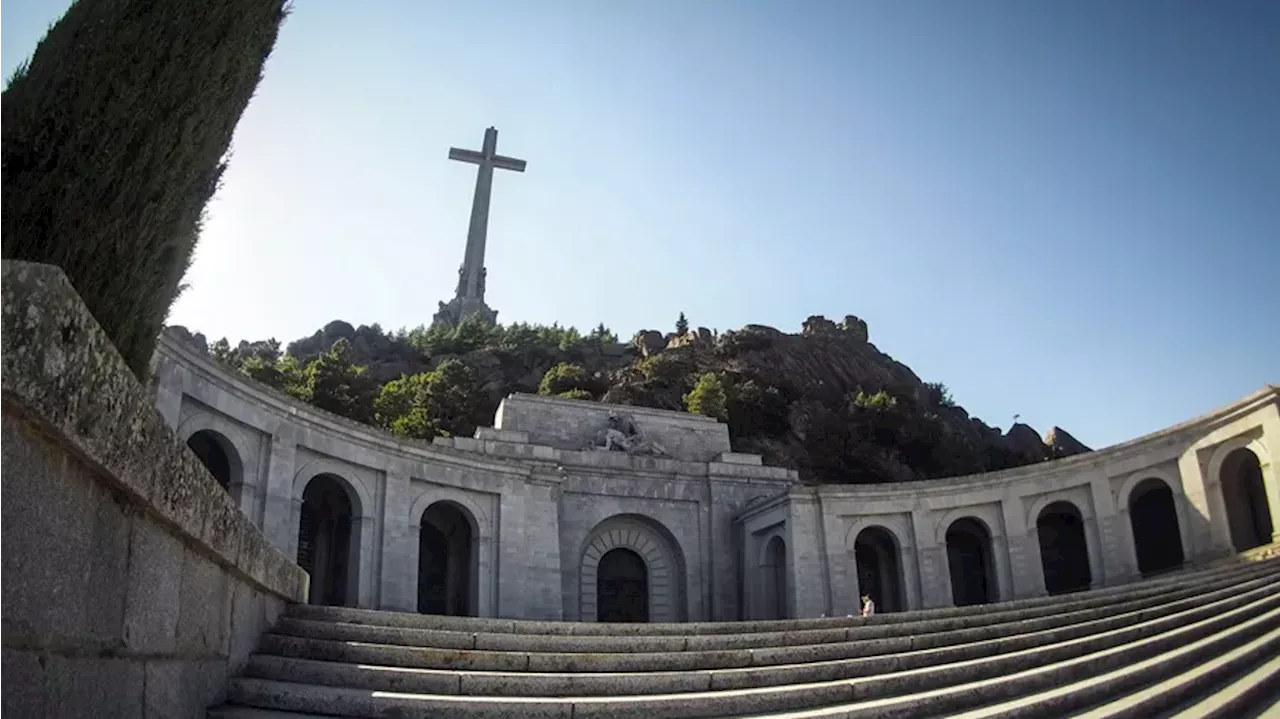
446,561
326,548
622,587
1154,519
1064,553
970,559
213,452
875,552
775,579
1245,496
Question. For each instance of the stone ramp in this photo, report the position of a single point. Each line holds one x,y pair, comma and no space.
1199,642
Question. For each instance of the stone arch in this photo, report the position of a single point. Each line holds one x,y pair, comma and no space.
1242,481
483,542
772,566
1064,547
877,557
219,456
1154,524
350,480
328,540
448,554
360,536
656,547
971,562
242,479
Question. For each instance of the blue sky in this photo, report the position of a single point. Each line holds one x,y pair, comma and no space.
1064,210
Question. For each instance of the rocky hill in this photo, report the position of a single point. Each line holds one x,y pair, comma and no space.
825,401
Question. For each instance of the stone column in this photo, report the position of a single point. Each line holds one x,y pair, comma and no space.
932,573
1210,530
399,546
1027,572
529,572
279,519
806,560
1110,558
841,573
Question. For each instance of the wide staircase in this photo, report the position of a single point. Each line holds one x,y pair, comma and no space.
1202,643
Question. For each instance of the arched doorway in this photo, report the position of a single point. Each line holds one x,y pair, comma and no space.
1245,495
971,561
622,587
773,571
326,547
1064,552
875,552
1157,541
447,576
216,454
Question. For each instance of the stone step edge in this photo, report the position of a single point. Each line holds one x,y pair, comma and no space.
1266,624
1243,692
475,683
1191,684
392,655
573,628
592,644
683,704
1147,700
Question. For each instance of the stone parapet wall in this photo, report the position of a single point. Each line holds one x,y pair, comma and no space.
133,586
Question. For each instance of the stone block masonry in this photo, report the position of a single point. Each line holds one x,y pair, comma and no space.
134,587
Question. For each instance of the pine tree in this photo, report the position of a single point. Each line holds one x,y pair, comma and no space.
708,397
114,139
682,325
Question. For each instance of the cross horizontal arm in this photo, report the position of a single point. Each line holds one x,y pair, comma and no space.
508,163
466,155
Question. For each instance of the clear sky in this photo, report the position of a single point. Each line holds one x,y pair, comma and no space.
1065,210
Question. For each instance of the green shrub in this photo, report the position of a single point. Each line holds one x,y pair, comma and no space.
707,397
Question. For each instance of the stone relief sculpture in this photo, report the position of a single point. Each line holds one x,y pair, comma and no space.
622,435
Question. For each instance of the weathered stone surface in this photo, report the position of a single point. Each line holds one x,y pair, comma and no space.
122,553
649,342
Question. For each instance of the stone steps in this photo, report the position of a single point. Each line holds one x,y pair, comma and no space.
1033,658
722,669
1254,694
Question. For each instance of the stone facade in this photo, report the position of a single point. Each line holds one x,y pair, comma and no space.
721,536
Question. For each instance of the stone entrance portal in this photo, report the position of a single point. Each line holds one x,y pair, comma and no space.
1157,540
1064,554
622,587
1243,491
875,552
446,555
969,557
326,548
213,454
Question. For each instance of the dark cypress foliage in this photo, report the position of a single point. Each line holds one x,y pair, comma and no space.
114,139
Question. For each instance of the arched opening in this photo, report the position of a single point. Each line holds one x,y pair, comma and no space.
447,573
971,561
326,547
875,552
773,571
216,454
1245,495
1064,553
622,587
1157,541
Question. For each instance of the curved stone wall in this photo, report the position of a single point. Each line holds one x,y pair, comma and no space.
722,537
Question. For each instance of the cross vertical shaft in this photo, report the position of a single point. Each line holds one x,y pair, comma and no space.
471,274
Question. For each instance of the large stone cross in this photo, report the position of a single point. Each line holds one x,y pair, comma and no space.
471,274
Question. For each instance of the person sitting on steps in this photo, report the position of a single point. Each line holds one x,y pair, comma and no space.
868,606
